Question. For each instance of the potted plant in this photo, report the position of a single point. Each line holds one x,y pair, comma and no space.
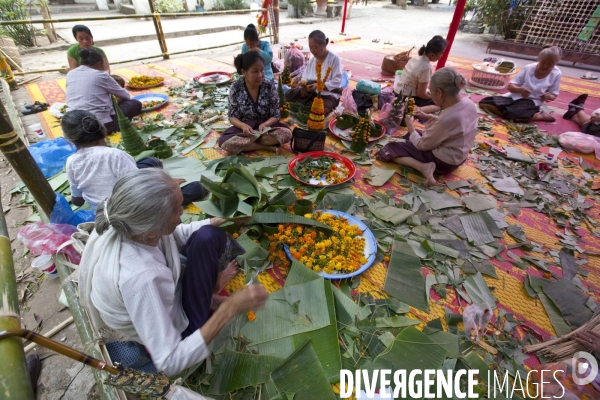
200,6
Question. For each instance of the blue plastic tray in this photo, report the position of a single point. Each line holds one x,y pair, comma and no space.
152,97
370,246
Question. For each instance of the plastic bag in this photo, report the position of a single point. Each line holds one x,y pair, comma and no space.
347,101
363,101
294,59
51,155
45,239
580,143
475,320
63,214
345,80
387,96
56,110
391,117
368,87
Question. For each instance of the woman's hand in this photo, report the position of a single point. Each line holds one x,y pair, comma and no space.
216,221
249,298
595,119
547,97
262,127
525,92
418,114
590,340
409,123
247,130
179,181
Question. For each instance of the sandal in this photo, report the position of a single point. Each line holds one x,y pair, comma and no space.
36,108
375,40
37,103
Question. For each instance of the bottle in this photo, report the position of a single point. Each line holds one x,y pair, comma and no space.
397,88
38,131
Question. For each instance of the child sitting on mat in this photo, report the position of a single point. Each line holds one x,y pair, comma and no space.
95,168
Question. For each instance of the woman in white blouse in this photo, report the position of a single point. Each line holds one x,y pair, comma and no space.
534,85
147,278
317,43
90,88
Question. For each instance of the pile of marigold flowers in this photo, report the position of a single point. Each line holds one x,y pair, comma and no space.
340,251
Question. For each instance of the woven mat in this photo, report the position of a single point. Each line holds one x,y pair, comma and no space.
366,60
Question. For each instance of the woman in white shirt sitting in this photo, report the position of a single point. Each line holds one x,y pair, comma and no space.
147,278
317,43
534,85
89,88
416,75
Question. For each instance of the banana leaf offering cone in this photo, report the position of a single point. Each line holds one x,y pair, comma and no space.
132,141
361,134
284,106
286,77
316,118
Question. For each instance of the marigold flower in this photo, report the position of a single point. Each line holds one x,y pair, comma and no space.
251,316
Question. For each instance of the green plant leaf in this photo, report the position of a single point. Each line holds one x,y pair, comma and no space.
389,213
404,280
302,374
397,321
282,218
239,370
570,300
476,229
478,290
379,176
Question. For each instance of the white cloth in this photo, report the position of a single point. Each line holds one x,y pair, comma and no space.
134,289
417,70
526,78
89,89
335,77
93,172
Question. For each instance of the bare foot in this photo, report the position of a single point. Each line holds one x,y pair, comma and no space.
543,116
428,170
226,275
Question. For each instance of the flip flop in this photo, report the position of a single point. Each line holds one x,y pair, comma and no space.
37,103
589,77
36,108
375,40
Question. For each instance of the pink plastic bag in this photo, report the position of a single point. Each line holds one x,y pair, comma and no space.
348,102
391,117
580,143
42,238
294,59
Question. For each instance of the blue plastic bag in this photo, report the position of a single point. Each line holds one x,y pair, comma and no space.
368,87
345,80
51,155
63,214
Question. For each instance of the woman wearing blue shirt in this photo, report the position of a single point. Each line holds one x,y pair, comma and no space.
253,43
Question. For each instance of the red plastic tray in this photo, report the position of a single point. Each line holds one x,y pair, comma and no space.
316,154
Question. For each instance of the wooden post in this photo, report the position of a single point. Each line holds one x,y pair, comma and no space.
276,21
14,378
159,31
21,160
47,26
458,12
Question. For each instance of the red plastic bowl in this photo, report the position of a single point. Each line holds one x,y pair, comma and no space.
316,154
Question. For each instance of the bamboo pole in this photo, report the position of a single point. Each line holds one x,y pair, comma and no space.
14,377
129,16
159,32
276,21
84,328
47,26
51,332
21,160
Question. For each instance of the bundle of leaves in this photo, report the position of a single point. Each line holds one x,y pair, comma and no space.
238,196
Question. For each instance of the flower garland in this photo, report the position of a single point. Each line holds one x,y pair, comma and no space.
339,252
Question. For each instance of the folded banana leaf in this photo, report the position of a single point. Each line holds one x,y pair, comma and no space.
132,141
238,196
281,218
346,121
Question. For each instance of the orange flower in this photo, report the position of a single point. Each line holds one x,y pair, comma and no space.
251,316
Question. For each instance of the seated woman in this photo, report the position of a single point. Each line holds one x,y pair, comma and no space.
253,105
589,124
416,75
95,168
89,88
85,40
253,43
133,283
317,43
534,85
445,143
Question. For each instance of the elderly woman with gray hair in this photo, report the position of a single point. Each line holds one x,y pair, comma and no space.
147,278
446,140
534,85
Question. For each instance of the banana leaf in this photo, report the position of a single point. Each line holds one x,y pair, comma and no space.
570,300
556,319
413,349
132,141
347,310
289,311
254,257
476,229
379,176
478,290
434,247
285,197
397,321
237,196
283,347
404,280
336,201
240,370
303,375
324,340
188,168
389,213
281,218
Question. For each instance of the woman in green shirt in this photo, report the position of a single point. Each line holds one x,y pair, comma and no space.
85,40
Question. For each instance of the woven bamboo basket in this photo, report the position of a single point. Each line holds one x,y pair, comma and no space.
487,77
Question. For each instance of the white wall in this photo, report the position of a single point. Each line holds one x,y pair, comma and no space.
141,7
